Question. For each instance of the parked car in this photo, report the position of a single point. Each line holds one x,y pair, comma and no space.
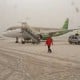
74,39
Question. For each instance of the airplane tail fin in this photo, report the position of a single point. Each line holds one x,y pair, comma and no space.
66,23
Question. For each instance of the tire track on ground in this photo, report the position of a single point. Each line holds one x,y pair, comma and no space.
41,56
12,63
18,56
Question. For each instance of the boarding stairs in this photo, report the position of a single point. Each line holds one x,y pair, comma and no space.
29,33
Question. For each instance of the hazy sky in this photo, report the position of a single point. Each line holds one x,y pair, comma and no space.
42,13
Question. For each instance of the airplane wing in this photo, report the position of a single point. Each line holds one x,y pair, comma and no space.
14,28
66,30
74,29
57,33
44,28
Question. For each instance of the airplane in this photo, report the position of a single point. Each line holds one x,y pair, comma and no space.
35,34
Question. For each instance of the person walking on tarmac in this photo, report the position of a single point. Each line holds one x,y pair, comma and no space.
49,42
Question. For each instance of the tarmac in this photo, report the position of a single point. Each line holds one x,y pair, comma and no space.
33,62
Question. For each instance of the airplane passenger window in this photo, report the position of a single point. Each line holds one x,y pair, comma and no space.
75,37
72,37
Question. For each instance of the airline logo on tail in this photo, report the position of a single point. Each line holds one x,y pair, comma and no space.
63,30
66,23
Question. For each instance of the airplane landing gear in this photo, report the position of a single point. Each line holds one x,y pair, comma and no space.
23,42
17,40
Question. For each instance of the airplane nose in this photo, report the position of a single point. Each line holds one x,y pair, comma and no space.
12,34
6,34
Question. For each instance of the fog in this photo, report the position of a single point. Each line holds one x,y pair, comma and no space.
40,13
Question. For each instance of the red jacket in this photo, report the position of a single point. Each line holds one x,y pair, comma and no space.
49,41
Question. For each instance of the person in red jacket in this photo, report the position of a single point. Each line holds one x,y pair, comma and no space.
49,42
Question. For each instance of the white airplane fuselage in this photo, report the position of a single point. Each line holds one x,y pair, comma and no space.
13,33
21,34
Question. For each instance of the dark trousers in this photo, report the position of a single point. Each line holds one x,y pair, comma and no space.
49,49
